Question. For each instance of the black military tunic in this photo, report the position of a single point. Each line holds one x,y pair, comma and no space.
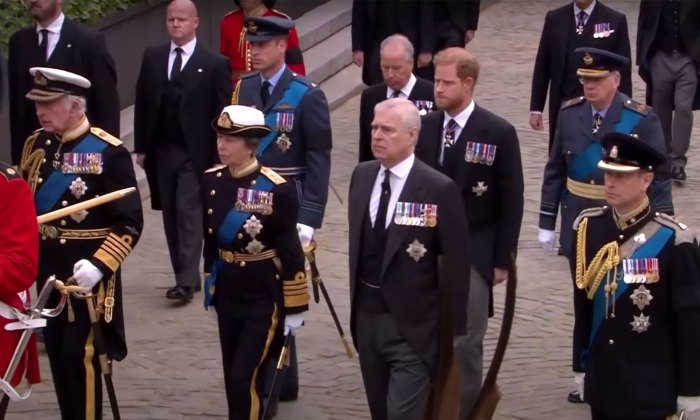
85,163
252,249
645,346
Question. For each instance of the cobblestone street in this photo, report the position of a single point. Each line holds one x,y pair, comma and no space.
173,369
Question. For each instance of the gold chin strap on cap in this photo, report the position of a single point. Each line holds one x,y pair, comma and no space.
606,259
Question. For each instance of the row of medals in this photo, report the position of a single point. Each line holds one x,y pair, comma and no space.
416,214
254,201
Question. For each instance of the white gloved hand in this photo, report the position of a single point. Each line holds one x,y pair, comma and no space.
687,404
86,274
292,323
306,234
546,239
579,380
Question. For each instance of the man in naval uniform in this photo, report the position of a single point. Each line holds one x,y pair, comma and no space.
65,162
571,179
637,277
299,146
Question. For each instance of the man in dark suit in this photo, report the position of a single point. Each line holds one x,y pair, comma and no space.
481,153
406,309
668,56
62,43
299,146
399,82
571,178
455,24
182,87
584,23
373,21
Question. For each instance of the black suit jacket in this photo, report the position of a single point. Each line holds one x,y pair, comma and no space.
416,23
496,214
648,25
463,16
207,90
551,54
371,96
427,297
82,50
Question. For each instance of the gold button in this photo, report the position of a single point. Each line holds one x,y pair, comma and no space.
62,241
48,142
242,263
252,182
64,203
622,236
210,211
212,192
43,238
611,342
592,182
218,174
63,222
210,230
40,180
277,276
43,160
239,236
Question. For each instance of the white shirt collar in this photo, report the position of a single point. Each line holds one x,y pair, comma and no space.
55,26
401,169
462,117
588,9
406,90
187,49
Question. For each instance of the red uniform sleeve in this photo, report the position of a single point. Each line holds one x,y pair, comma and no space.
19,237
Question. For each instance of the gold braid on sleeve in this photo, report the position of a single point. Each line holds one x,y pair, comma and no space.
605,260
31,161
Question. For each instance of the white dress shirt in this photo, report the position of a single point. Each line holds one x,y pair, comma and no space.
461,120
399,173
405,91
54,29
588,11
187,51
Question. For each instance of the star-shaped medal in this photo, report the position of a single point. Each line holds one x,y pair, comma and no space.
79,216
641,297
78,187
480,188
252,226
416,250
254,247
640,324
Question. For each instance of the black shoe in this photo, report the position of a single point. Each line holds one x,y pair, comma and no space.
181,293
574,397
678,175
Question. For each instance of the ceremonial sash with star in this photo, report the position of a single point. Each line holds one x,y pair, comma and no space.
656,238
226,234
292,96
58,182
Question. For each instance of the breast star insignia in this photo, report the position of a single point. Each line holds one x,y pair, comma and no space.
640,324
78,187
416,250
480,188
79,216
252,226
641,297
254,247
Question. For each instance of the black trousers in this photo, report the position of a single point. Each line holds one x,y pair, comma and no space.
74,364
245,348
597,415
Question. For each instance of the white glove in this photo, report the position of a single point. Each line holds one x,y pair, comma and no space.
579,380
687,404
86,274
292,323
306,234
546,238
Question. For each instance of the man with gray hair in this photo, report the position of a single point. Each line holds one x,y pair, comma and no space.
403,217
396,62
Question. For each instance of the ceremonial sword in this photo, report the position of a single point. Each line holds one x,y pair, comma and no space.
278,369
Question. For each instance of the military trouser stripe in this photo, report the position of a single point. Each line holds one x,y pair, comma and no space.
89,378
254,397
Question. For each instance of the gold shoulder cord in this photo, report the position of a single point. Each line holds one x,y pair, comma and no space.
236,91
31,161
589,278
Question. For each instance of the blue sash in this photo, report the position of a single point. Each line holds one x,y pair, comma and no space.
586,164
649,249
57,183
292,96
227,234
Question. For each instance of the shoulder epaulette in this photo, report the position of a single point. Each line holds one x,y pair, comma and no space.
272,175
281,14
110,139
592,212
215,168
683,234
249,75
303,80
572,102
637,106
231,12
8,171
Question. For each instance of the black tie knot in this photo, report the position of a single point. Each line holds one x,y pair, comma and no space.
44,43
265,92
177,63
396,94
380,221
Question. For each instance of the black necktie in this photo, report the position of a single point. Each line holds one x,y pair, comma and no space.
396,94
581,21
177,64
44,45
449,153
597,122
380,221
265,92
